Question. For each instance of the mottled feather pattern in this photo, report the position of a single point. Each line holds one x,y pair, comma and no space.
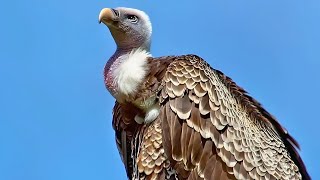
151,160
208,128
247,142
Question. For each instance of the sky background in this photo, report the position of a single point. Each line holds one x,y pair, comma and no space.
55,113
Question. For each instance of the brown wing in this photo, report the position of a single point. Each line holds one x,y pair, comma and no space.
213,130
125,129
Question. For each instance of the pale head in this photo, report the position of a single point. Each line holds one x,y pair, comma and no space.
130,28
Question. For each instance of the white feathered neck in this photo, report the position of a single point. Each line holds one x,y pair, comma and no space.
127,72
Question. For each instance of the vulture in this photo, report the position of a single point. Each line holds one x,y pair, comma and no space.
175,117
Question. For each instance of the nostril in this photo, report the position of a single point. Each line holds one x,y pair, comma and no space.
115,12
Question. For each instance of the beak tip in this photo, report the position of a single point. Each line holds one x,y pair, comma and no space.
106,15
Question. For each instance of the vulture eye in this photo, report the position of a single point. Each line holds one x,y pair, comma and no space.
132,18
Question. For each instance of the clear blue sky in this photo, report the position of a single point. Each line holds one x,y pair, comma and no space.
55,114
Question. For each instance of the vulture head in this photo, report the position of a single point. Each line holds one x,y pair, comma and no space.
130,28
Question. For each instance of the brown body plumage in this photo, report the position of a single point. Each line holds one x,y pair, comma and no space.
207,128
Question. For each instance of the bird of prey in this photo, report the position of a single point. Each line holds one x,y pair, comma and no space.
175,117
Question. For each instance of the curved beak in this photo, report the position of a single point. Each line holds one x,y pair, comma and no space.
108,16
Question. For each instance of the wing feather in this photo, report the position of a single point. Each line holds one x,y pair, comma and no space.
217,131
124,127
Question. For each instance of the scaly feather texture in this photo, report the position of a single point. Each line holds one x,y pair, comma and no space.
208,128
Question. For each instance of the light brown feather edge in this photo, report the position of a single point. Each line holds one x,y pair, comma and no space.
234,121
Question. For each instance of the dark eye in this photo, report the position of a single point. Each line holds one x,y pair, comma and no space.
133,18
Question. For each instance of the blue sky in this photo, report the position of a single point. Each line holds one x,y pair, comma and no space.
55,114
